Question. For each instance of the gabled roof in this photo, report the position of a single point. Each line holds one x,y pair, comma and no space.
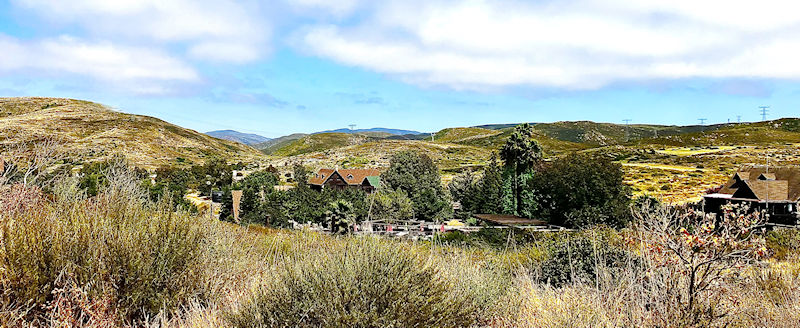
351,176
782,183
321,176
765,189
766,176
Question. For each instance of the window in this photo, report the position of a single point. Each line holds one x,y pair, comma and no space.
349,177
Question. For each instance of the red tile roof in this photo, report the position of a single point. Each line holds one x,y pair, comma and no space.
351,176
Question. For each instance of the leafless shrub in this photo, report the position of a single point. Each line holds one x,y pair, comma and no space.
27,163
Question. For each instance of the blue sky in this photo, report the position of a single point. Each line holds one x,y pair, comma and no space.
283,66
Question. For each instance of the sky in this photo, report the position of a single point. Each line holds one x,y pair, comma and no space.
276,67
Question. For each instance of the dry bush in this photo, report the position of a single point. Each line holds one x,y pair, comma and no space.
139,257
367,282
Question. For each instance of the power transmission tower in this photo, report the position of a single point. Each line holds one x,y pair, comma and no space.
738,118
764,110
702,121
352,126
627,134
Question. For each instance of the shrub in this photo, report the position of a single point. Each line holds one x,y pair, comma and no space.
578,258
118,247
369,283
783,242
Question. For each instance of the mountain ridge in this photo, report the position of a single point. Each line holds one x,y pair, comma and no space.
240,137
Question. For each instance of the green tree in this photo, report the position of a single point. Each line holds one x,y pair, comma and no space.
300,175
256,189
216,171
463,189
520,153
417,176
580,190
340,216
390,206
489,189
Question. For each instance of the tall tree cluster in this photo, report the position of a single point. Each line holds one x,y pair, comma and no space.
572,191
418,177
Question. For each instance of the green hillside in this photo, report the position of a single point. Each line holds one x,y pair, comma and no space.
313,143
781,131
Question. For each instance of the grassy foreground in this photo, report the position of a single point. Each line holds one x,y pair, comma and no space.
118,260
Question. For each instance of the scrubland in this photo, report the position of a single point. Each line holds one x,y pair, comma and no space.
118,259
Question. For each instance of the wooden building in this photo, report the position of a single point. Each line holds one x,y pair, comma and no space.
775,190
365,179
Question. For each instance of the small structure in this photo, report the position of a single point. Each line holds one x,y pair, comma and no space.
516,222
774,190
365,179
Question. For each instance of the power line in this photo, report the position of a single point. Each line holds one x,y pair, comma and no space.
764,110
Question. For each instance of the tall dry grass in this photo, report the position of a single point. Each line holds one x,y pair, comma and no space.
115,256
118,260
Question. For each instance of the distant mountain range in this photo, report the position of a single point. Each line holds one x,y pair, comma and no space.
244,138
372,130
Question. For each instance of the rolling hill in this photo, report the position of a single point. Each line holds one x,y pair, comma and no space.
243,138
319,142
89,131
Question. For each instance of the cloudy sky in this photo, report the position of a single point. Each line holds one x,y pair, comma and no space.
284,66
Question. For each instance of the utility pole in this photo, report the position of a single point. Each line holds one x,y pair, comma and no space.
627,134
702,121
764,110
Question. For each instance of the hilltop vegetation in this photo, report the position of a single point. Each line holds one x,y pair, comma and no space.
92,132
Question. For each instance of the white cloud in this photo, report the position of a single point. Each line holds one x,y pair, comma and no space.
216,30
335,7
579,44
139,70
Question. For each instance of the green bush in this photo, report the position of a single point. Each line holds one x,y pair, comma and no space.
783,242
140,257
369,283
580,257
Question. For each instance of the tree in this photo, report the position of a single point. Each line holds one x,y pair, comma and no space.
417,176
520,153
390,206
256,189
300,175
580,190
489,193
216,171
340,216
463,189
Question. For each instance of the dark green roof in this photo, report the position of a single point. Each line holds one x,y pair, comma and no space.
374,181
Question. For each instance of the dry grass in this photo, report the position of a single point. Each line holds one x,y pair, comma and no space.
65,259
